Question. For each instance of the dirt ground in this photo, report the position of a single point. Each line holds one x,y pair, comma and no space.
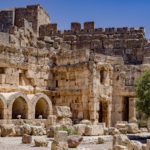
14,143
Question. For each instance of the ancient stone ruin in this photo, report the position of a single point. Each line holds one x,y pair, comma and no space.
90,70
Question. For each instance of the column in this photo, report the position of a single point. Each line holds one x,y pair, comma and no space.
132,110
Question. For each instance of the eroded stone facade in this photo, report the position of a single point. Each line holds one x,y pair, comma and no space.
91,70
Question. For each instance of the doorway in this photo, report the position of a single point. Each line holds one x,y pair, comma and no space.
125,103
103,112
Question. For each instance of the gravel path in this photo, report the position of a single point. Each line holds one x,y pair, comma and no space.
14,143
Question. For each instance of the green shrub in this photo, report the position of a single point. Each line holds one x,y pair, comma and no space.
70,130
143,94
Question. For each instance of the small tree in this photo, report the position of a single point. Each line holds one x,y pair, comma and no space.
143,94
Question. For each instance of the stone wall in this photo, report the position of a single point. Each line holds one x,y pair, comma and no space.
70,82
124,79
91,70
4,38
125,42
34,14
19,67
6,20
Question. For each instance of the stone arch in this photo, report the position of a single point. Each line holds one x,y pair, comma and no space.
18,104
3,107
42,106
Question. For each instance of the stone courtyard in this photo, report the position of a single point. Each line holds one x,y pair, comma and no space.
82,79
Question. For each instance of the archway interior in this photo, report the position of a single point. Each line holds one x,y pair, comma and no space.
41,109
19,108
1,110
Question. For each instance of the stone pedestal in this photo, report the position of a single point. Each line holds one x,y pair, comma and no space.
60,141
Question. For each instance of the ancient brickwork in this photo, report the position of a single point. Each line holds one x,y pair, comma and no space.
6,20
34,14
125,42
91,70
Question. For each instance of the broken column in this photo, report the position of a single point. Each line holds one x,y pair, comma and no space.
60,141
63,114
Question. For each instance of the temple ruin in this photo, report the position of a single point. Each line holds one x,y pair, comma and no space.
91,70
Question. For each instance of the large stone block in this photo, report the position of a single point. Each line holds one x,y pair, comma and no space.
62,111
74,141
26,139
132,128
59,145
60,136
60,141
41,142
94,130
120,147
80,128
7,130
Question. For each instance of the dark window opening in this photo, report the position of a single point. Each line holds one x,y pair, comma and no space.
1,110
117,78
20,78
2,70
56,83
102,77
100,112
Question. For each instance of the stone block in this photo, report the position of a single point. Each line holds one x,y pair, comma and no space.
120,147
75,26
7,130
94,130
41,142
89,25
60,141
59,145
132,128
80,128
26,139
74,141
62,111
64,121
60,136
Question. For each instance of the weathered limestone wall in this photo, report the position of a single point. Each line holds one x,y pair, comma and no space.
126,42
43,18
83,81
34,14
23,67
14,104
70,84
124,78
4,38
91,70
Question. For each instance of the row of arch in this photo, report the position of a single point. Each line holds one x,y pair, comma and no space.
15,105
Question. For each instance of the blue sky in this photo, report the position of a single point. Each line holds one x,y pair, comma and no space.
105,13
